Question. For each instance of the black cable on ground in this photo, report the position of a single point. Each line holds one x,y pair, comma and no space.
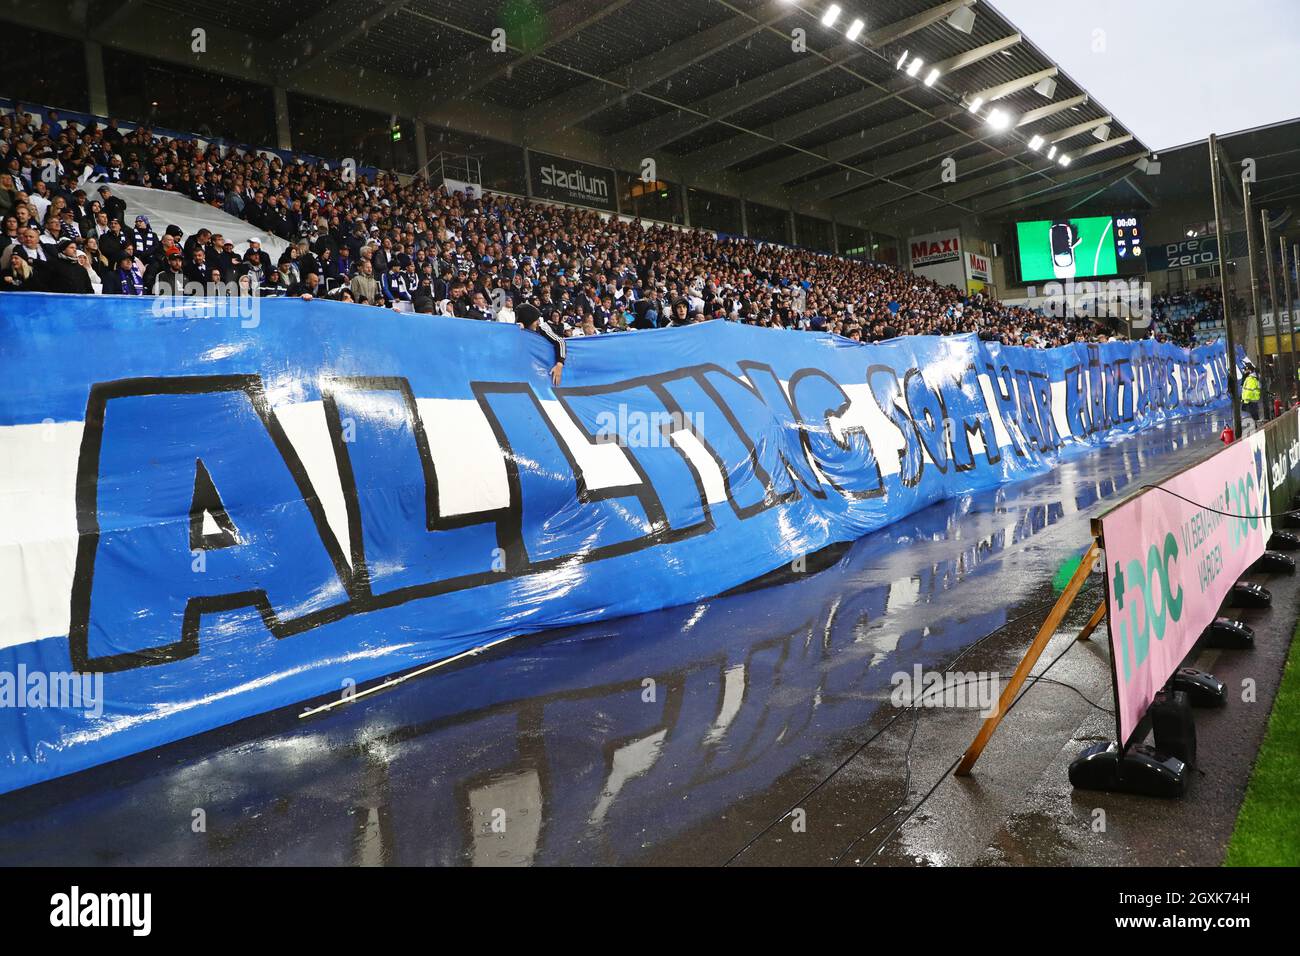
1226,514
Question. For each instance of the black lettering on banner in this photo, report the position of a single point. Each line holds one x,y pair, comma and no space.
928,412
763,382
1004,393
1096,389
1042,389
740,414
207,500
88,527
817,398
1028,407
967,406
742,475
1076,403
1124,390
885,388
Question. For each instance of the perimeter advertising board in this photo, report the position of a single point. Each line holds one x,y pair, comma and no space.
1174,551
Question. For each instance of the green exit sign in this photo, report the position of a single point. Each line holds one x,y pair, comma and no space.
397,134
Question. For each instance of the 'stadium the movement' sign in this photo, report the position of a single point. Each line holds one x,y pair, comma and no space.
222,519
1174,551
566,180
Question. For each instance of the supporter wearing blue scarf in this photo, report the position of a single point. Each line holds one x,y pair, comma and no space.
129,281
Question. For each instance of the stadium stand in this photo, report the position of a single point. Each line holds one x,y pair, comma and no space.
382,241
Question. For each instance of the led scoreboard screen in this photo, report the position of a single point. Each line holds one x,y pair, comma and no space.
1082,248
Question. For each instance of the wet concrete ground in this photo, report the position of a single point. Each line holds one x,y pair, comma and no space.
689,735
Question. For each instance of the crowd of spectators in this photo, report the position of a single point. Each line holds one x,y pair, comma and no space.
412,246
1179,315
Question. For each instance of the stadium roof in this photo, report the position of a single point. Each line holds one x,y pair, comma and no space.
713,90
1183,183
1274,150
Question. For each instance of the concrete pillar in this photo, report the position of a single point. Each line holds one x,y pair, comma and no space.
835,236
283,135
98,87
744,218
794,232
421,148
528,175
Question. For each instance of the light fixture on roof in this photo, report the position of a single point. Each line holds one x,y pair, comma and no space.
902,58
975,104
1045,87
914,67
962,20
1102,132
831,15
932,76
1036,143
1148,165
1051,153
1064,160
855,28
998,119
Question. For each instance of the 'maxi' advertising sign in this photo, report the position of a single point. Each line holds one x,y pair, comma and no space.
938,256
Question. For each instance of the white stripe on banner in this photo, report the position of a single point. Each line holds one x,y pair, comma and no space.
38,510
603,465
471,472
304,424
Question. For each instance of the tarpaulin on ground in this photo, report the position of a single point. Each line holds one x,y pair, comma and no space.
211,510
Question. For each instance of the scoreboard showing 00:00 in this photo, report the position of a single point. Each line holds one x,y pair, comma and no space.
1081,248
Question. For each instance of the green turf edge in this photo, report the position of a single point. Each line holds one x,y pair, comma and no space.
1268,827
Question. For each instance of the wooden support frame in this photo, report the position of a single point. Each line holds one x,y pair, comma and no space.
1036,648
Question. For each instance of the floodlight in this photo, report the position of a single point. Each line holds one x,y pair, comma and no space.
962,20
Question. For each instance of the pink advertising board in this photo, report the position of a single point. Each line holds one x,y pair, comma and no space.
1170,563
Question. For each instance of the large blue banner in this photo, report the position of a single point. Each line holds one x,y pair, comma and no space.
209,511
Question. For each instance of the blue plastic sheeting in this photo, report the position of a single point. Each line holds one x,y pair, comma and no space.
209,513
